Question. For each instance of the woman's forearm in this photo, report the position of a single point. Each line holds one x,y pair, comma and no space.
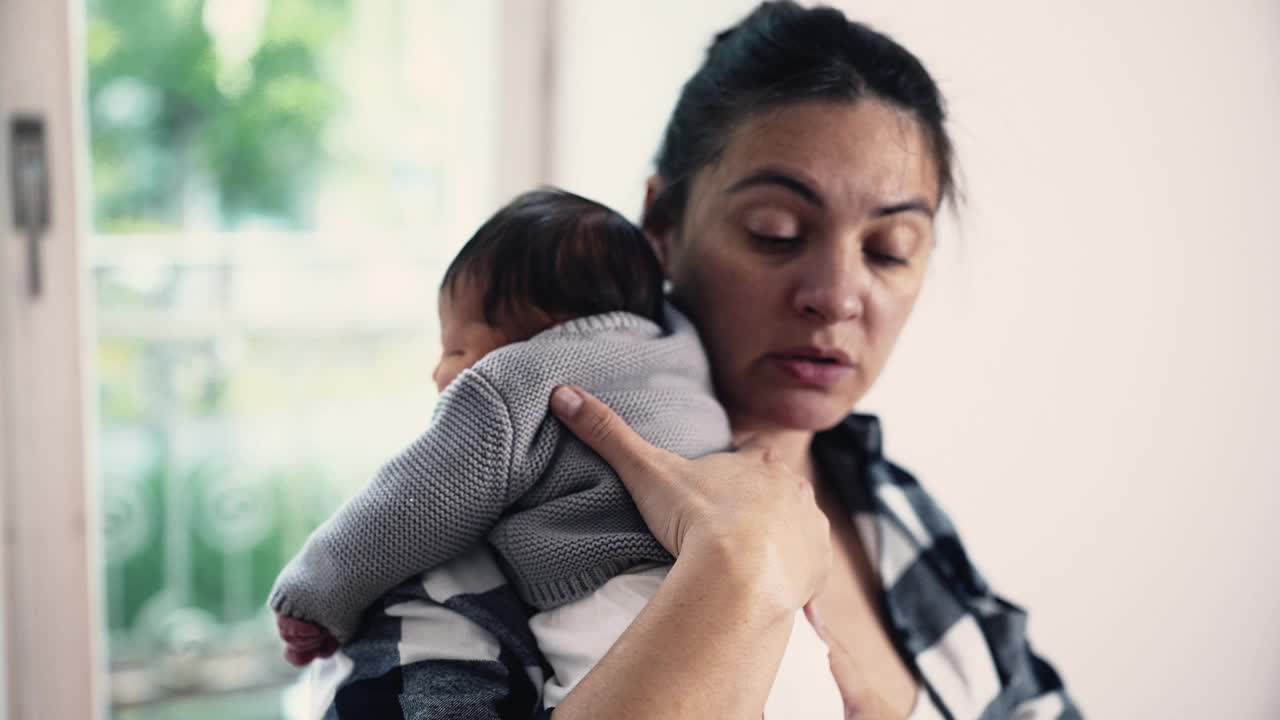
705,646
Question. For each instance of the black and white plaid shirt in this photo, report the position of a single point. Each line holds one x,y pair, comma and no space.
455,642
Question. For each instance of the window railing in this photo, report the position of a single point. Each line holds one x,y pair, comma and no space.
247,384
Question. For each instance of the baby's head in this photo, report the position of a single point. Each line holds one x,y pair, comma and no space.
547,257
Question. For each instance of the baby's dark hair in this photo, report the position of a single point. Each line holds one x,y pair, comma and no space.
552,251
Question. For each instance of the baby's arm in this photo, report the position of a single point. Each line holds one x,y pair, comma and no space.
438,497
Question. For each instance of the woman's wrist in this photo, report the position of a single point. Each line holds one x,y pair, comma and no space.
744,567
706,646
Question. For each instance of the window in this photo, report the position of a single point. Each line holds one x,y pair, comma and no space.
276,186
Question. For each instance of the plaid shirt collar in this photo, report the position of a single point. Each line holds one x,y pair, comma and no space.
967,645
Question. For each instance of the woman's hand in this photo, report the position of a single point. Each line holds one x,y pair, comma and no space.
751,549
752,509
860,701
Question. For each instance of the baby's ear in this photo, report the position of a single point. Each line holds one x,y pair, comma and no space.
529,321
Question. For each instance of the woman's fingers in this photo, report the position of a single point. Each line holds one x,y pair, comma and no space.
659,486
597,425
861,702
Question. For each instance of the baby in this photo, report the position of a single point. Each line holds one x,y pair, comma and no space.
553,289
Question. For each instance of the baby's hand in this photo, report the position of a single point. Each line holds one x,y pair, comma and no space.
304,641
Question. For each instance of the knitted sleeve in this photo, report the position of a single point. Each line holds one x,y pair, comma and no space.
439,496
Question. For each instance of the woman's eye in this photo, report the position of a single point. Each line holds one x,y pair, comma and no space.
775,242
883,258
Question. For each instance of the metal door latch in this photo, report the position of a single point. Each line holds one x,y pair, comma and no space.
30,182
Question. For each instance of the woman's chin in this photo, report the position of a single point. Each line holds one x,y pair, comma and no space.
799,409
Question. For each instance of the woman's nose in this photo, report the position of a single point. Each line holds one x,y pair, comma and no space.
832,289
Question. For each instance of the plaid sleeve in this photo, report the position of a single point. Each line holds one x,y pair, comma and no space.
452,643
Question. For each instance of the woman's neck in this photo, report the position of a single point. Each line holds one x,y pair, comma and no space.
790,447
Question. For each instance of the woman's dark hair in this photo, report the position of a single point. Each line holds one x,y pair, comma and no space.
780,54
562,254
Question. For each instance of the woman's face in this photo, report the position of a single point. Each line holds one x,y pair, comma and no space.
800,255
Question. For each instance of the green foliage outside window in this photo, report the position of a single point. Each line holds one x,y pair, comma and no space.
256,358
190,104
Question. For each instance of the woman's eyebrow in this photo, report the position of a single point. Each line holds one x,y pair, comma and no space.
919,205
778,178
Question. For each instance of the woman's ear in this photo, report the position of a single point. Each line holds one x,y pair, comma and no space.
657,229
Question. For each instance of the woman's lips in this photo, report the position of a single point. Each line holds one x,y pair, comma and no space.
812,371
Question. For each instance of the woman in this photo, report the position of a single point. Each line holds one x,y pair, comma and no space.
792,210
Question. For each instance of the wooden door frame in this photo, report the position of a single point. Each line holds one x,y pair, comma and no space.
52,628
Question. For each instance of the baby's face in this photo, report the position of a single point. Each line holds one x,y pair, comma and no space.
465,337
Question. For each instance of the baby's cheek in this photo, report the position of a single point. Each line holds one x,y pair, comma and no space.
444,375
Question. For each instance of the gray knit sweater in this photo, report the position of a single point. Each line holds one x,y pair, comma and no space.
495,464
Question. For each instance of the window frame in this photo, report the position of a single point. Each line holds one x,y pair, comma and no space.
49,573
51,641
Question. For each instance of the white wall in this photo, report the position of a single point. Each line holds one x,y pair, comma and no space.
1089,384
